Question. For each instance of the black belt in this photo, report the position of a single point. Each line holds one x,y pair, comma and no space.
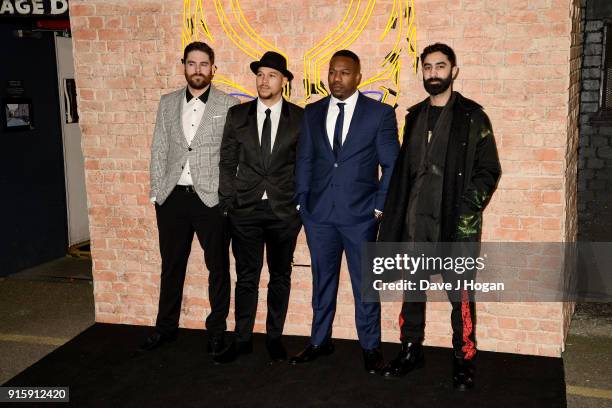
185,189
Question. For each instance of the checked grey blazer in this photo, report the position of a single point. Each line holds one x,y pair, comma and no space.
170,151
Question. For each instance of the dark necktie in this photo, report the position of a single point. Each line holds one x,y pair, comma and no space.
266,139
338,129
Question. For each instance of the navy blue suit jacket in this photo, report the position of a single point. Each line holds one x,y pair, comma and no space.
349,186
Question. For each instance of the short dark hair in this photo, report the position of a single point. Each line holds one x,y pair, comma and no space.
348,54
444,49
199,46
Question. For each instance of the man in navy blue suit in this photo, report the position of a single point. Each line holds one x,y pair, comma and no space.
345,138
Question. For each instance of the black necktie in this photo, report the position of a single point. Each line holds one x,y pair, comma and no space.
266,139
338,129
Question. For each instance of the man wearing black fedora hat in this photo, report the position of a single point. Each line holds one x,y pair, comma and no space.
256,189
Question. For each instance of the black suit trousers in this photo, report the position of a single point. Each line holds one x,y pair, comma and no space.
250,233
182,214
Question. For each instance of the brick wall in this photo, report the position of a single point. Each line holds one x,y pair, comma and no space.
514,60
571,153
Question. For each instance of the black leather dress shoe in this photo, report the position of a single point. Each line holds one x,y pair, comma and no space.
276,350
373,360
311,353
463,374
216,344
410,357
156,340
236,349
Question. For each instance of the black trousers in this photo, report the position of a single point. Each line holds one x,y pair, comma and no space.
463,320
182,214
249,235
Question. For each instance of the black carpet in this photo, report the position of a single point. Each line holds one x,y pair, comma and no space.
103,369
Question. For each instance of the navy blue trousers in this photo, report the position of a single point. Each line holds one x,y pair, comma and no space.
327,241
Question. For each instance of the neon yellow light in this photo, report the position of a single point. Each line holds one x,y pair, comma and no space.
411,37
393,15
316,50
221,79
242,35
392,60
352,37
246,28
232,34
203,21
192,21
308,58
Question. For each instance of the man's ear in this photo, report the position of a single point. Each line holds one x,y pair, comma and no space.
455,71
214,69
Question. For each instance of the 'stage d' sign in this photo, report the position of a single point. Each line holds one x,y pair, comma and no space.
34,8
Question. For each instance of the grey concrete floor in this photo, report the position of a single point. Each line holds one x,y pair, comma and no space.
44,307
588,357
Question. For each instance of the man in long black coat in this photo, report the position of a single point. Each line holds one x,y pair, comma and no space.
443,178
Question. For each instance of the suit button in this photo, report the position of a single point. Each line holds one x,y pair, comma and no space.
460,174
189,148
335,164
182,167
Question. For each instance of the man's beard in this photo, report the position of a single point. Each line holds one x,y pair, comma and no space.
265,93
198,81
437,88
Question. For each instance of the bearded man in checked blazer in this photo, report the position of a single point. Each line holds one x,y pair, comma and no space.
184,185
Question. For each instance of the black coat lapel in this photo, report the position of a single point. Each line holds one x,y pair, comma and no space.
253,132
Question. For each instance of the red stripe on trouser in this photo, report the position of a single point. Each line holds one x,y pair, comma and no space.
466,316
401,321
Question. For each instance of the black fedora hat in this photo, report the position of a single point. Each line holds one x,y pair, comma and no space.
272,60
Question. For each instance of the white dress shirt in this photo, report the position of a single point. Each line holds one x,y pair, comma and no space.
191,117
332,115
275,112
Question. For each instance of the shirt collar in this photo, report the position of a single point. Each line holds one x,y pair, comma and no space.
276,108
350,102
203,98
